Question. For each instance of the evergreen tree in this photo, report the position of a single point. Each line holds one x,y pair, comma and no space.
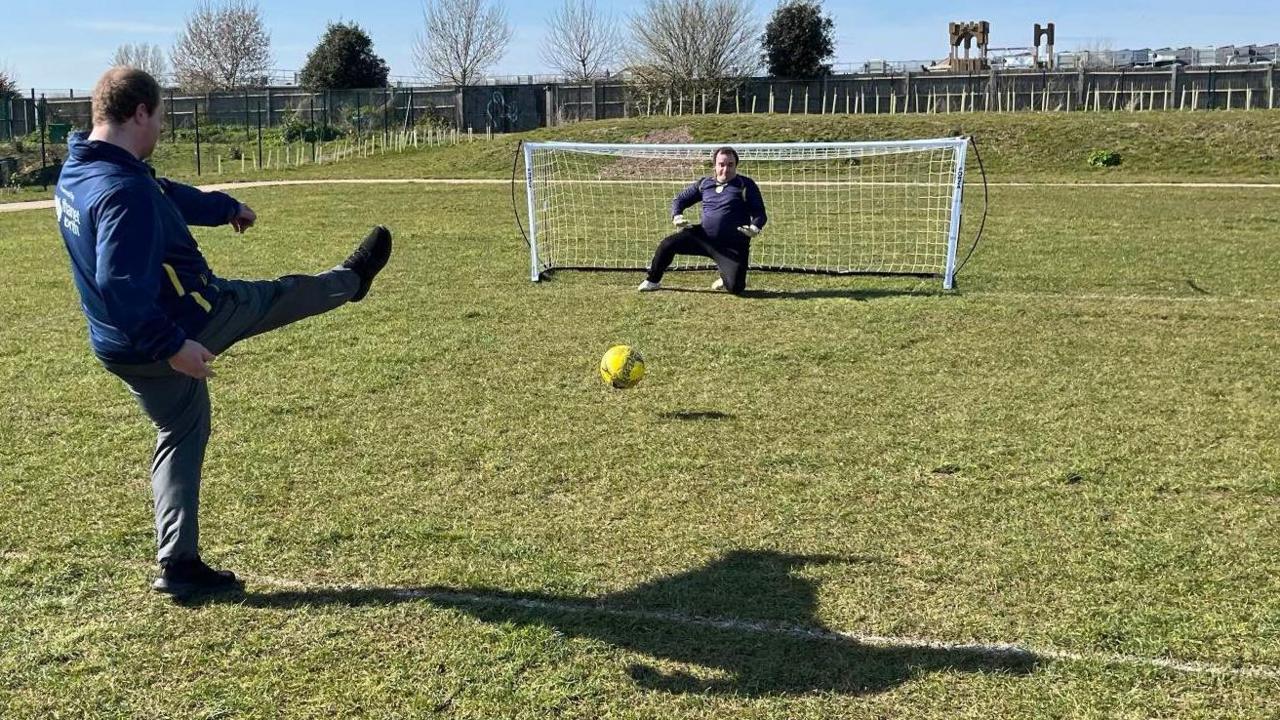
343,60
798,40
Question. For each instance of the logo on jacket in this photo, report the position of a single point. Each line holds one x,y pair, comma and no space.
68,215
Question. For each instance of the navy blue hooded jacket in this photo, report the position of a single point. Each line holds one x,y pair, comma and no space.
725,206
144,286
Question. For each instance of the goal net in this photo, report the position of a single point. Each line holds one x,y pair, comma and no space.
889,208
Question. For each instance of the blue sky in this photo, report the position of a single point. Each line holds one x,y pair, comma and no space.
68,44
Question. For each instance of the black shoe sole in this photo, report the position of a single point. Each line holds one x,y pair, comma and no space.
382,234
186,590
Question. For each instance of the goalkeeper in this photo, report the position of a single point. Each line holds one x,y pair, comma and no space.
732,214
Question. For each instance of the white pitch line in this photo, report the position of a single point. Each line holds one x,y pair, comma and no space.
358,181
1262,186
48,204
997,649
789,183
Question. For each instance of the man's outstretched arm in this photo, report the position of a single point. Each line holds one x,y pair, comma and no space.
208,209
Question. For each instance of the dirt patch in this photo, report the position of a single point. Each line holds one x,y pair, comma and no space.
680,134
655,167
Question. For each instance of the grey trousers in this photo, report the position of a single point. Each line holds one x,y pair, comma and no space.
178,405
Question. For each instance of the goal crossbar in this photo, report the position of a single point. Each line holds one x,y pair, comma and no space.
859,208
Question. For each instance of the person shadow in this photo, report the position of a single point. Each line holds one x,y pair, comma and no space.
744,624
856,294
694,415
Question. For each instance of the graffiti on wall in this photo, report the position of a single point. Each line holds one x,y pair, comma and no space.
501,115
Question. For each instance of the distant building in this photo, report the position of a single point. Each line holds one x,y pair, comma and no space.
1204,56
1023,58
1247,54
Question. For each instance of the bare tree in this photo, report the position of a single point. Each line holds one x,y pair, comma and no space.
460,39
580,42
145,56
693,45
223,46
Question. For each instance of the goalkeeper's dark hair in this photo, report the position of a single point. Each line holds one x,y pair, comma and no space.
724,150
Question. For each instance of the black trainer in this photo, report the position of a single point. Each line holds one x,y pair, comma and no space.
369,259
191,576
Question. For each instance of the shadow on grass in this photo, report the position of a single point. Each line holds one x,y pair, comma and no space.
859,294
1199,290
695,415
745,624
798,294
847,293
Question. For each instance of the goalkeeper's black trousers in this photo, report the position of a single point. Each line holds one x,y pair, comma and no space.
731,255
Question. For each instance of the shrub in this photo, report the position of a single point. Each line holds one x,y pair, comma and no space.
293,129
432,118
1104,158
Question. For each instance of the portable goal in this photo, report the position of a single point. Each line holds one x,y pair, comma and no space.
878,208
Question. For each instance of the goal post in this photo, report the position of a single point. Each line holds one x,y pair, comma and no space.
874,208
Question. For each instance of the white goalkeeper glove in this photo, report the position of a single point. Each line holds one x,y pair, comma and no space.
679,221
749,230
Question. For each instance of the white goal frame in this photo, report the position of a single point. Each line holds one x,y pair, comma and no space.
948,183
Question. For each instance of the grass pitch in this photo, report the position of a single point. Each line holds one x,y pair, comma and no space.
441,510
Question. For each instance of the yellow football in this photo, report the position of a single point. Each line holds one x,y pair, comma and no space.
622,367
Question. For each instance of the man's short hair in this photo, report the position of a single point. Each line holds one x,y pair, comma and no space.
725,150
120,91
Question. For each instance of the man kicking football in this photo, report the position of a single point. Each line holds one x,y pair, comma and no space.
732,214
157,314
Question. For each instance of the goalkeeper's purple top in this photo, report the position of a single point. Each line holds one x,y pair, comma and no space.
724,207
